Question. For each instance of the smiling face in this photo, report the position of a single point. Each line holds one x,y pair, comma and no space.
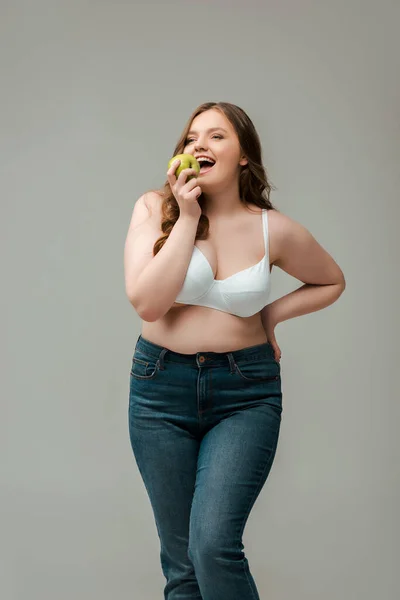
213,135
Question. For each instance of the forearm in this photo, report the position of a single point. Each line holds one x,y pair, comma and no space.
306,299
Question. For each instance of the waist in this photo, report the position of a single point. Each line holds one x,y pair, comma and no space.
190,329
153,351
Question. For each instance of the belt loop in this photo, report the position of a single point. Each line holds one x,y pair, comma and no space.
232,363
161,358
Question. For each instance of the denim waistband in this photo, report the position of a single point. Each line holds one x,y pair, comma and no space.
155,351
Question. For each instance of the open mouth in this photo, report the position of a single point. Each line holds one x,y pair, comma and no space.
205,166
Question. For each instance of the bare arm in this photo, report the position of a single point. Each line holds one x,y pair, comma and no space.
300,255
153,282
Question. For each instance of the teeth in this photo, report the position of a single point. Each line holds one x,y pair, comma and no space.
204,159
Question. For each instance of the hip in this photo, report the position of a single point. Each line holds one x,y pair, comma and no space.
207,383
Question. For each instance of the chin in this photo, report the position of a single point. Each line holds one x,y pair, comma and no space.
209,178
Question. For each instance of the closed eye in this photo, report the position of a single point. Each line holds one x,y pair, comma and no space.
191,139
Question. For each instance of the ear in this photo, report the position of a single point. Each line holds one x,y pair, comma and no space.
243,161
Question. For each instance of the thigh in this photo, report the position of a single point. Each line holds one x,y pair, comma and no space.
166,452
235,458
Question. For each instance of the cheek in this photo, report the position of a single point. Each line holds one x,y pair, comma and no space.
228,162
227,155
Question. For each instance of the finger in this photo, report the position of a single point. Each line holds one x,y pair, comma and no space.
191,184
173,167
184,174
171,171
196,192
277,352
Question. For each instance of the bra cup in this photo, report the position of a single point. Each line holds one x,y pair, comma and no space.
199,279
251,280
242,301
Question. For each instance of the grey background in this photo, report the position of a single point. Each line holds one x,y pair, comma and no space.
94,96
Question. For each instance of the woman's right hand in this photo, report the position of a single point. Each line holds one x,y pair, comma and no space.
186,193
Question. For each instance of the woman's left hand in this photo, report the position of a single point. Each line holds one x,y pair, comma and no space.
269,323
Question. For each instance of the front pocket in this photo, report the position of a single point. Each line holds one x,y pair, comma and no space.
142,369
259,370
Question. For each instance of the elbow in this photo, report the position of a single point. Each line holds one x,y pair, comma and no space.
146,313
152,314
148,317
341,286
340,279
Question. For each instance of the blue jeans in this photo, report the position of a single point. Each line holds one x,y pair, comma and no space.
204,430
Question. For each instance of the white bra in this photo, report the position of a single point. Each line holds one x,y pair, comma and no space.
242,294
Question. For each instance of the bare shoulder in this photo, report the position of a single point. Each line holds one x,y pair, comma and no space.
153,201
279,226
295,250
280,223
283,229
143,232
146,214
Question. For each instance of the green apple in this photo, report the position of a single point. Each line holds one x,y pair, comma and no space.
188,161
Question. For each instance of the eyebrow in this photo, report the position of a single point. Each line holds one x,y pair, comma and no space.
208,130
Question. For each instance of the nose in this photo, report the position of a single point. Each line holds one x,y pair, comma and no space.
199,144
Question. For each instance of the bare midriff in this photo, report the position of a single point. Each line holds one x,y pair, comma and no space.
189,329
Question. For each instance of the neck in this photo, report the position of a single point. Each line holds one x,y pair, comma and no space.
222,203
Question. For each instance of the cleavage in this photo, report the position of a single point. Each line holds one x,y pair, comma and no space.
241,263
226,239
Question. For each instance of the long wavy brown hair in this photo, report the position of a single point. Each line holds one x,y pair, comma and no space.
254,184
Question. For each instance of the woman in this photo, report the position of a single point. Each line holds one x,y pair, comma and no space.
205,398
